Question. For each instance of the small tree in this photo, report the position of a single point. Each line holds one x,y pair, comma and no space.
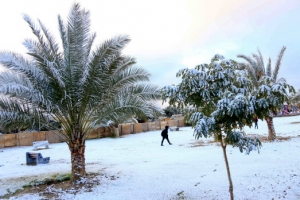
221,95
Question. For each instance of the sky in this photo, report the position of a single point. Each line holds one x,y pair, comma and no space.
171,35
135,166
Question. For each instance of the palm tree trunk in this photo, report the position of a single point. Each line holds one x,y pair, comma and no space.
227,168
77,148
271,129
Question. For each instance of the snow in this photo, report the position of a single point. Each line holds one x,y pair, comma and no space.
188,169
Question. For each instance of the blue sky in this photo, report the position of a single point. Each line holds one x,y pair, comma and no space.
171,35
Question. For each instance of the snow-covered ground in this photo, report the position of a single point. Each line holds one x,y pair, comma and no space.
188,169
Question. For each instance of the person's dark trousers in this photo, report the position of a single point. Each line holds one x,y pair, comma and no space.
256,126
164,139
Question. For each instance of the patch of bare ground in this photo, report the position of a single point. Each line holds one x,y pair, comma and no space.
265,138
295,122
201,143
53,189
45,191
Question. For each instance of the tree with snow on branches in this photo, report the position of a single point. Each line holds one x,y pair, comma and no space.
220,93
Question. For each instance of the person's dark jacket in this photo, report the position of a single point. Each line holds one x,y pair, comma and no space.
164,133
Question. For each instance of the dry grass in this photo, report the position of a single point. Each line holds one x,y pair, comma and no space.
53,189
43,190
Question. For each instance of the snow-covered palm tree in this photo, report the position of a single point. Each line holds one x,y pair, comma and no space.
257,72
78,86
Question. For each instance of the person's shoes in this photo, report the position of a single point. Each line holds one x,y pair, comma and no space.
161,145
170,144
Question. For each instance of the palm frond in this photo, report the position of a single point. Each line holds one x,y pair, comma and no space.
43,46
251,73
105,54
260,70
252,63
45,52
53,45
64,37
76,44
14,114
147,91
278,63
260,58
16,62
269,69
127,104
98,70
87,67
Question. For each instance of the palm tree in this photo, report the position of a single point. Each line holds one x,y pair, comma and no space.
257,71
79,87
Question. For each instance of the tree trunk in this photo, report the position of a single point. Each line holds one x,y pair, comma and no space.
228,169
117,132
271,129
77,148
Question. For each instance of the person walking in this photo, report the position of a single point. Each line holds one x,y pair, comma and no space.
255,122
164,135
